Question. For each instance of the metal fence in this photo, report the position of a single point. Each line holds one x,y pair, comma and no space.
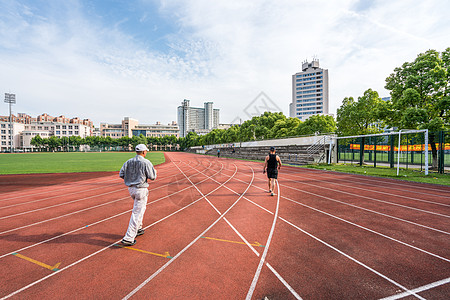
384,150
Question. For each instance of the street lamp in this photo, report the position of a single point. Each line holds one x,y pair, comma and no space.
11,99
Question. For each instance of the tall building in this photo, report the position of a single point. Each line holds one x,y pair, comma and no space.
309,91
200,120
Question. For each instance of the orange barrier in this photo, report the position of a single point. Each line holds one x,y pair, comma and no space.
402,148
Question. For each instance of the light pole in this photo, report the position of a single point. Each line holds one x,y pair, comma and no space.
11,99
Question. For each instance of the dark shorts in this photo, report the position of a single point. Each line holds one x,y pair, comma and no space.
272,173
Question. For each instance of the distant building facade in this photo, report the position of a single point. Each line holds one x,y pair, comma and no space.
309,91
157,130
200,120
25,127
130,127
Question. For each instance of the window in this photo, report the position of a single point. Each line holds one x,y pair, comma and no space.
70,127
58,132
58,126
3,126
4,131
64,127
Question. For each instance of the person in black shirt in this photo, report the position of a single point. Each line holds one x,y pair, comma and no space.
271,166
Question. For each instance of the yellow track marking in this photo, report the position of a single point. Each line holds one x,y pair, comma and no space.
166,254
234,242
52,268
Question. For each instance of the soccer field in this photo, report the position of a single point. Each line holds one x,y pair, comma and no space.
69,162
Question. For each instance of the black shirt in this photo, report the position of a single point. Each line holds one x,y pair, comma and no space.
272,162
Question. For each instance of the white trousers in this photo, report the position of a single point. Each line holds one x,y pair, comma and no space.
140,196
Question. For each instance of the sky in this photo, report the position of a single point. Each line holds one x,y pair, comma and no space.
106,60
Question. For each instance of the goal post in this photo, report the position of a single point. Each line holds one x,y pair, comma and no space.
334,145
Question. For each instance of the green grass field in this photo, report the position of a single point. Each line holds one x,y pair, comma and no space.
69,162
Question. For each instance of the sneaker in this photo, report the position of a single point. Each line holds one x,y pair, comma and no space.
271,193
127,243
140,232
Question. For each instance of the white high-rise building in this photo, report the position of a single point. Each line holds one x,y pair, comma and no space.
309,91
200,120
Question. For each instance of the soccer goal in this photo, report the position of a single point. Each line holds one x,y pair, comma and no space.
406,148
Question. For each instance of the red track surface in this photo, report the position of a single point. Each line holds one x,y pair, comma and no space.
213,232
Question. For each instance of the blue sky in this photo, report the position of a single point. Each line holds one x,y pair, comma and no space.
105,60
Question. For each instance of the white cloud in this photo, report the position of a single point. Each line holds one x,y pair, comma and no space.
223,51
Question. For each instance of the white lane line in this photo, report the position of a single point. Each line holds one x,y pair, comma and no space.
373,199
378,185
419,289
370,210
56,196
266,248
60,204
62,216
282,280
406,293
371,190
364,178
354,224
114,182
185,248
93,254
410,292
60,188
267,244
370,230
127,211
68,214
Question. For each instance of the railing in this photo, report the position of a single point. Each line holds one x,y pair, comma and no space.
318,148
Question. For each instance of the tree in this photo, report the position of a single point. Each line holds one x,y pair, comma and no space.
317,124
53,142
75,141
359,117
37,141
420,95
64,141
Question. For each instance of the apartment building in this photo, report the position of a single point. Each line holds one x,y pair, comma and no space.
25,127
309,91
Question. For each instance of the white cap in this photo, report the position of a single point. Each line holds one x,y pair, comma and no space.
141,147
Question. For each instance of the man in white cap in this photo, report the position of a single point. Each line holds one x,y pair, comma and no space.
135,173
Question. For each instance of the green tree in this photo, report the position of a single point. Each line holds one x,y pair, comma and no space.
37,141
317,124
76,142
420,95
360,117
64,143
53,142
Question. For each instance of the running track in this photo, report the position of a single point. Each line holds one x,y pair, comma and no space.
214,232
